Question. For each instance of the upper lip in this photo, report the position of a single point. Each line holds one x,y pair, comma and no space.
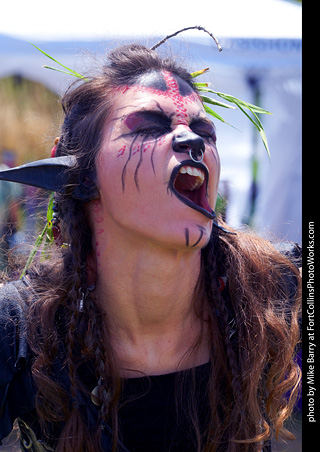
205,209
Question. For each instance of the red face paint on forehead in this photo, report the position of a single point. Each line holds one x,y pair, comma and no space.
163,81
168,85
177,98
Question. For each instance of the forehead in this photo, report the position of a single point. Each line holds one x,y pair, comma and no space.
161,82
162,88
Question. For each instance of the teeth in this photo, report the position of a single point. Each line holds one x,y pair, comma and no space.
195,172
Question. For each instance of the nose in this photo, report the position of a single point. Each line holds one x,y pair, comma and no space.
189,142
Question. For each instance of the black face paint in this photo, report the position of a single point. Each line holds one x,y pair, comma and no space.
123,175
186,234
187,139
158,81
143,144
202,232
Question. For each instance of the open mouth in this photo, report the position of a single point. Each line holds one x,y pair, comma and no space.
189,182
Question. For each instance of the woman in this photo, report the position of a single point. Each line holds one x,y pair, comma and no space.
155,328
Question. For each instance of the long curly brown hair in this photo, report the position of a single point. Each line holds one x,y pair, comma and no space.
254,331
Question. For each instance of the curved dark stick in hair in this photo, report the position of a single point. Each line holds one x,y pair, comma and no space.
195,27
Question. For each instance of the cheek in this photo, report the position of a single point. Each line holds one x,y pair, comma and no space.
109,164
136,162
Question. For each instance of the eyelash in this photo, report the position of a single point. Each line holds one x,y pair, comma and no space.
152,130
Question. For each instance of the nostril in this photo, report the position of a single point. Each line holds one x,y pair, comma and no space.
186,140
183,147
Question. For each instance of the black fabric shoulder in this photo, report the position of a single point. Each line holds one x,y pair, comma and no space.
16,387
12,330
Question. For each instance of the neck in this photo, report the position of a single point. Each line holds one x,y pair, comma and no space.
148,295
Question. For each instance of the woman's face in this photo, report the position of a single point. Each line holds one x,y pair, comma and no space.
149,185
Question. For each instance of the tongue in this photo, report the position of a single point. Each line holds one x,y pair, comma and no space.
197,198
183,184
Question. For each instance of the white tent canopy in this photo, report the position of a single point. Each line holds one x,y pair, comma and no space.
261,56
76,20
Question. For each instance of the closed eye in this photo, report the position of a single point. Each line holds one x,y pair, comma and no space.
204,129
148,123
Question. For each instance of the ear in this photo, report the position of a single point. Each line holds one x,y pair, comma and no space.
51,174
